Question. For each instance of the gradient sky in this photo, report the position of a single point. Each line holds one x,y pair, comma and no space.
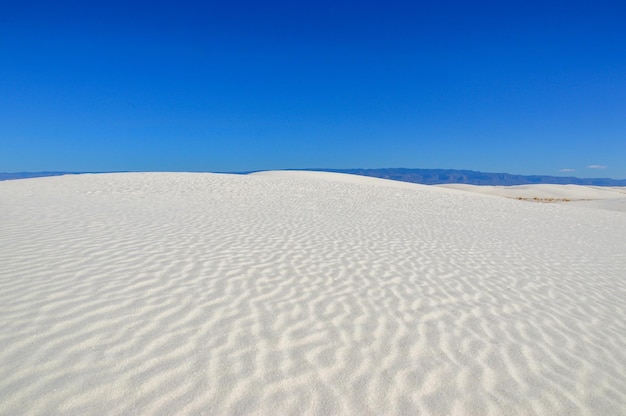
523,87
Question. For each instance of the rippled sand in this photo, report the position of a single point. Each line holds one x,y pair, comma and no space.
305,293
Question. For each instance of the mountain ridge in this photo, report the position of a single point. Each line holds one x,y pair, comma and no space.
422,176
470,177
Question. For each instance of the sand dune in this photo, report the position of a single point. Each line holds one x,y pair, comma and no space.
305,293
599,197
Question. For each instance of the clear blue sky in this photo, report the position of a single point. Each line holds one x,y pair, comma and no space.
521,87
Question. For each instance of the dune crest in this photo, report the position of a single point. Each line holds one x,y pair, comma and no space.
304,293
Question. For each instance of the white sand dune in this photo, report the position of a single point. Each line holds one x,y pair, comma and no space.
610,198
305,294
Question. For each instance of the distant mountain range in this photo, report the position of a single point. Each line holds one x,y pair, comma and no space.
423,176
26,175
440,176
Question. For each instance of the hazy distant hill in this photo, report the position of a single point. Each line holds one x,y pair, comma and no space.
439,176
26,175
423,176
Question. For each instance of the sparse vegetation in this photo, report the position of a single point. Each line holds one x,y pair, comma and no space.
547,200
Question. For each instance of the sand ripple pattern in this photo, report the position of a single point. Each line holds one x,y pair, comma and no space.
160,294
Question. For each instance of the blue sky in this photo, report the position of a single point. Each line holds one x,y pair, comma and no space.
524,87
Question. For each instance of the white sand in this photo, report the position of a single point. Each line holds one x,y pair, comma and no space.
305,293
610,198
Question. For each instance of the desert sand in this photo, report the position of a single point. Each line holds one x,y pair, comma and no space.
602,197
300,293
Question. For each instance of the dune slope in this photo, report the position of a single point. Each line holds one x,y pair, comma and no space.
304,293
595,197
